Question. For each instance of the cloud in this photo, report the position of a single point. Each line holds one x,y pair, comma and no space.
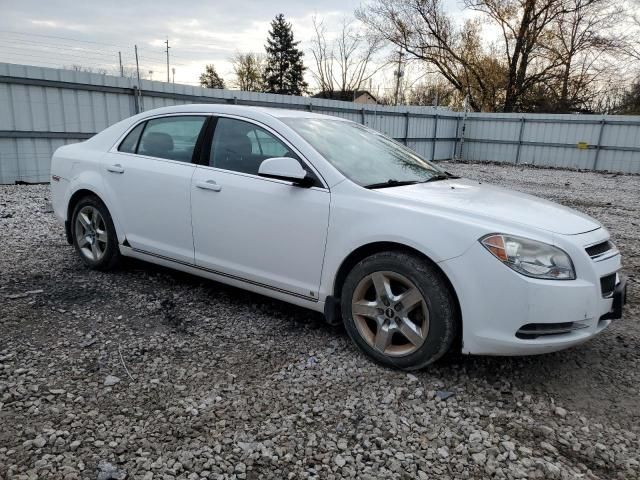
199,32
51,24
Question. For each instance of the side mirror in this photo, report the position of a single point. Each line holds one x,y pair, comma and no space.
285,168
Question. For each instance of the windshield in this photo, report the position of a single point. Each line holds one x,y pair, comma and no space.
365,156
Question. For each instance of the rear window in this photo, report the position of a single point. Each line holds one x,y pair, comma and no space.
130,142
172,138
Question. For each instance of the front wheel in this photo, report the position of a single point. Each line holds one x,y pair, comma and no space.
399,309
94,236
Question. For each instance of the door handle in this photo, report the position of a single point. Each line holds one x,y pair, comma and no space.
117,168
209,185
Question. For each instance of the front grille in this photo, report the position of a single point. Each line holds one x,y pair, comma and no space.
608,284
531,331
599,249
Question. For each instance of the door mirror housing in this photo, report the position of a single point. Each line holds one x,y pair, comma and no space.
285,168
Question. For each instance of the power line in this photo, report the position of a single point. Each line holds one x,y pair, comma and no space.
66,46
75,47
159,59
46,56
63,38
21,50
49,60
44,62
57,50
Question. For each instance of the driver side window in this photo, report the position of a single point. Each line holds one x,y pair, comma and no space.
241,146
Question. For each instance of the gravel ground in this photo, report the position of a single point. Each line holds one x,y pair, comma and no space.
147,373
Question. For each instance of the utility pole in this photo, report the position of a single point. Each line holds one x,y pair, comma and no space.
398,73
138,73
137,65
173,71
120,60
464,126
167,43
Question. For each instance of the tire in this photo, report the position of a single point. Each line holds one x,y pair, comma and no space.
94,236
418,322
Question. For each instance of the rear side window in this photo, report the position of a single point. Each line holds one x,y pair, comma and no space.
173,138
130,142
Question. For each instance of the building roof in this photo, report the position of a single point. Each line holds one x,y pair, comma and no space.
346,96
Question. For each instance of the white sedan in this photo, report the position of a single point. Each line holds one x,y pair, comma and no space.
327,214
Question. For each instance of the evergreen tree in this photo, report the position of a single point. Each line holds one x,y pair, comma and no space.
210,78
284,70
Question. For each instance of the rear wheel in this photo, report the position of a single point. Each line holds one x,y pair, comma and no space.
94,236
398,308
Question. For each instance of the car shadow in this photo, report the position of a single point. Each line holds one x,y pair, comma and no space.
299,316
585,378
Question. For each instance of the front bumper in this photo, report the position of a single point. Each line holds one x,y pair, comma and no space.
496,303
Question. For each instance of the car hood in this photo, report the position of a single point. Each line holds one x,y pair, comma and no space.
490,201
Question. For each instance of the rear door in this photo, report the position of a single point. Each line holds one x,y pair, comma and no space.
148,178
263,231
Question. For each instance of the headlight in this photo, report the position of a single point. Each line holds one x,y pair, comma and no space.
530,257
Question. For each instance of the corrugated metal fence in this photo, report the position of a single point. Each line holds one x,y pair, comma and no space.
43,108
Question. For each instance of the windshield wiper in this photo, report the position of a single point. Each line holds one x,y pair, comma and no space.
392,183
441,176
398,183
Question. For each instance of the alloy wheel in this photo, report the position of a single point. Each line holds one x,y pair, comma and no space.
91,233
390,313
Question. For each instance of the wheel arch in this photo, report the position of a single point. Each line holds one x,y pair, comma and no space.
369,249
71,205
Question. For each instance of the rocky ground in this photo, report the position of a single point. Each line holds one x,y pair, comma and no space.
146,373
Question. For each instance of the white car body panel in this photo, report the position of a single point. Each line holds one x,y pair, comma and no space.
261,230
152,202
288,242
493,202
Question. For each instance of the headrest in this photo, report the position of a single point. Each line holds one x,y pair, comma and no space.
157,143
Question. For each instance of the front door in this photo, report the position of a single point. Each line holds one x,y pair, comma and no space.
264,231
148,180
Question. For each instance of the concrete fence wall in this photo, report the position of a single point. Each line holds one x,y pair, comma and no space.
43,108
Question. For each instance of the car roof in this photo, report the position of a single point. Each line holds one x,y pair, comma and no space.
243,110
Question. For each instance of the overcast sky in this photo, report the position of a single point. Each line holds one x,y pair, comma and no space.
199,32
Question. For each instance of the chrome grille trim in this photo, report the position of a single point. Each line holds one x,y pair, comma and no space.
532,331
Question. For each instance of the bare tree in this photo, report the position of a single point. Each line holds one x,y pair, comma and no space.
523,24
630,101
582,43
81,68
551,55
632,45
431,93
342,64
128,71
425,32
496,78
248,69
